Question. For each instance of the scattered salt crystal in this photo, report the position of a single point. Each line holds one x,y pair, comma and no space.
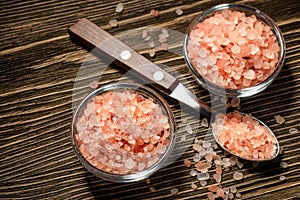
187,162
240,165
238,195
174,191
238,176
226,190
203,183
231,196
204,122
164,46
279,119
113,23
144,34
293,130
152,189
188,129
235,102
233,189
151,44
211,196
193,172
213,188
220,192
196,157
94,84
284,164
119,8
179,11
282,178
203,176
147,38
194,186
151,53
206,145
218,178
148,181
154,13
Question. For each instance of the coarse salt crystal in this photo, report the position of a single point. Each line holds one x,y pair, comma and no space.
174,191
203,183
94,84
152,53
119,8
233,189
188,129
293,130
194,186
203,176
148,181
282,178
193,172
279,119
179,11
235,102
113,23
204,122
218,178
238,176
238,195
183,138
187,162
211,196
152,189
154,13
284,164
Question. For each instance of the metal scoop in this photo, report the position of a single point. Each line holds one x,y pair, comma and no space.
93,37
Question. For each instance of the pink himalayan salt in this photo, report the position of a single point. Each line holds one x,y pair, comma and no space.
179,11
243,136
119,8
233,50
154,13
282,178
238,176
152,189
122,132
211,196
113,23
94,84
279,119
284,164
187,162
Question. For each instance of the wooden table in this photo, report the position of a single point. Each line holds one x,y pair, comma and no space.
44,75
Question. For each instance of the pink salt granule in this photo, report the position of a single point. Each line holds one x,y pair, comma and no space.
244,136
233,50
122,132
154,13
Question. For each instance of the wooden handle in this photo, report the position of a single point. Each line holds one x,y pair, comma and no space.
91,36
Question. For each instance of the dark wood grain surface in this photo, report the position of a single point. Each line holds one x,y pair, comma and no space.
44,75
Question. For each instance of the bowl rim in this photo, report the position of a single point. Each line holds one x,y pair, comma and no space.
143,90
261,16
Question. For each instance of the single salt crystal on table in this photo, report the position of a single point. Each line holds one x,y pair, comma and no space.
113,23
235,102
194,186
284,164
174,191
154,13
218,178
94,84
203,176
152,53
206,145
144,34
282,178
151,44
210,196
203,183
238,195
293,130
238,176
164,46
279,119
148,181
220,193
240,165
233,189
204,122
147,38
231,196
152,189
179,11
193,172
119,8
187,162
188,129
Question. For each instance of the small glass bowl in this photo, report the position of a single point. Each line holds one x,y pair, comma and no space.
243,92
146,93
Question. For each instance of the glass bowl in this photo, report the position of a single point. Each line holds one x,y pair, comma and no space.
218,89
109,150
